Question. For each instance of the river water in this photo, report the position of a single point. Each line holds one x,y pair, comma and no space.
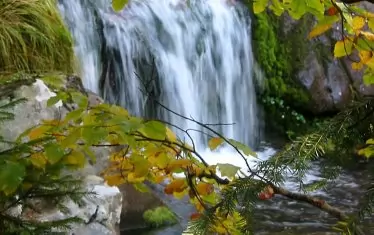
202,54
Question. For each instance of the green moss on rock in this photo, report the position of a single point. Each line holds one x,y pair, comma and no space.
160,216
281,57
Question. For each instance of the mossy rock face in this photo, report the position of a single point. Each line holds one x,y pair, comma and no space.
283,97
34,37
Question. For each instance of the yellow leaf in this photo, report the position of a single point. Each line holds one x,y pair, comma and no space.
370,63
141,166
343,48
125,164
177,185
358,22
159,179
177,164
215,142
365,56
38,132
113,139
170,135
162,160
114,180
371,24
52,122
133,178
76,158
357,65
368,35
180,195
318,30
38,160
204,188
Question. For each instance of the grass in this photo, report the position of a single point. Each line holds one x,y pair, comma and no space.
158,217
33,38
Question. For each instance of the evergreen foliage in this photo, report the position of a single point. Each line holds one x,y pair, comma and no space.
25,177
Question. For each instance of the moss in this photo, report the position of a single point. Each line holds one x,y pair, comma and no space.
34,37
281,57
158,217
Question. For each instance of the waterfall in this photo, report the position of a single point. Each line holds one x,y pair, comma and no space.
200,51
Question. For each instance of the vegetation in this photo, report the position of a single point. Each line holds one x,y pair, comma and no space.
159,217
146,150
283,98
33,37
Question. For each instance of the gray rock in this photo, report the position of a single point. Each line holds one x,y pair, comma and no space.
331,82
107,201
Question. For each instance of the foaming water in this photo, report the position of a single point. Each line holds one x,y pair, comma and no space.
201,51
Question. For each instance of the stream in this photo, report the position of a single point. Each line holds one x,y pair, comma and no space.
281,216
196,58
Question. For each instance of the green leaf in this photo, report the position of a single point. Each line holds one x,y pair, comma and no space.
118,5
74,115
370,141
277,7
54,153
53,100
71,139
242,147
296,9
364,44
228,170
214,142
343,48
11,176
368,77
259,6
55,81
80,99
76,158
141,187
316,7
93,135
154,130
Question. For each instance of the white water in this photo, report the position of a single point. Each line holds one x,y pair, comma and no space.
202,53
203,57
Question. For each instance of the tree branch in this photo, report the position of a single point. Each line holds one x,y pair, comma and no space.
316,202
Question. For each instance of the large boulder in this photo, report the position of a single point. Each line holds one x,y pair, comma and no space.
330,82
100,211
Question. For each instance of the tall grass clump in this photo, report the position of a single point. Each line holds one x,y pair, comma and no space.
33,37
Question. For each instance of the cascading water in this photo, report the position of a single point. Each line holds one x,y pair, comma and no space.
201,50
202,55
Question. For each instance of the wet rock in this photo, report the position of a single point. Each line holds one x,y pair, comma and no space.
330,82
